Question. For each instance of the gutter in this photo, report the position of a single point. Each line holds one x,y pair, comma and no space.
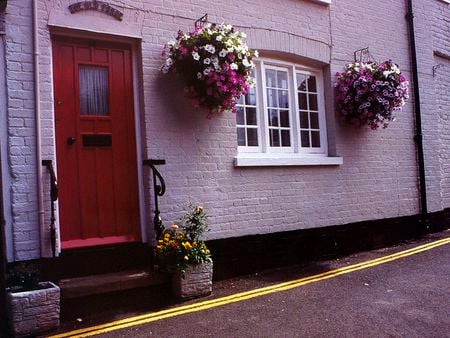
418,137
37,100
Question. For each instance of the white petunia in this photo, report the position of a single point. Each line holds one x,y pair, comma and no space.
234,66
199,75
169,62
207,61
223,53
245,62
206,71
256,53
219,37
196,56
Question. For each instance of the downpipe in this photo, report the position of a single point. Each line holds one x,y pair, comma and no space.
37,107
424,224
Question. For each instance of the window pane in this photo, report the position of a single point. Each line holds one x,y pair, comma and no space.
314,120
252,135
315,139
312,101
304,119
93,90
272,98
282,79
240,115
273,117
241,136
312,84
284,118
285,138
241,100
301,82
251,116
271,78
283,99
302,101
274,138
305,138
251,97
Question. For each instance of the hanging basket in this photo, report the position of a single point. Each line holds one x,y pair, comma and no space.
370,93
215,64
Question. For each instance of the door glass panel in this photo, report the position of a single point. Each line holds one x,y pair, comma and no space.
93,90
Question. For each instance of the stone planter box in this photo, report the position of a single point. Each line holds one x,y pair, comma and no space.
195,282
35,311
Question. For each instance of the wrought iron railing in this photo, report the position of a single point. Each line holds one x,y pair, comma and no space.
53,198
159,188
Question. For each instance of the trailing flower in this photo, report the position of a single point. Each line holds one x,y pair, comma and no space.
215,63
370,93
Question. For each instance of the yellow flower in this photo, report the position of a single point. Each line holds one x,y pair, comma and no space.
174,226
207,252
187,245
160,241
198,209
186,258
159,247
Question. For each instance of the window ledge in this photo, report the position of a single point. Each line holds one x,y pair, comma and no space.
325,2
247,160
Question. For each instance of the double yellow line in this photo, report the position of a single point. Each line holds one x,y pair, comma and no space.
155,316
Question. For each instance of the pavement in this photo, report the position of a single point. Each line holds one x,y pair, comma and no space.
401,291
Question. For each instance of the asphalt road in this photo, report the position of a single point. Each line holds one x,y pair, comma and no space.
408,297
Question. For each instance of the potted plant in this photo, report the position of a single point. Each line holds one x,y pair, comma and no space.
215,64
33,306
369,93
182,252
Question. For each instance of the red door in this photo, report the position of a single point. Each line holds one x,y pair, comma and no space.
95,143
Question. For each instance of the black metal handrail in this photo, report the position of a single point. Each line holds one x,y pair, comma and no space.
159,187
53,198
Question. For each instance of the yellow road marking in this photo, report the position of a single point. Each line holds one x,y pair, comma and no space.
204,305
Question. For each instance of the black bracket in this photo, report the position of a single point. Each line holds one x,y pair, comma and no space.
363,55
200,22
159,188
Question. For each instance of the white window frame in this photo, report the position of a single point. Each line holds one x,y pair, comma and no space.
254,149
295,154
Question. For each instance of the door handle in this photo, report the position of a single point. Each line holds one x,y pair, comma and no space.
71,140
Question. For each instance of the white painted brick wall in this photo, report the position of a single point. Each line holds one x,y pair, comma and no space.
21,130
379,175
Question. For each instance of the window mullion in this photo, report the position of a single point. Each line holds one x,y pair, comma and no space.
263,104
294,112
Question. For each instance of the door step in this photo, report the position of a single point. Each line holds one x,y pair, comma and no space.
110,282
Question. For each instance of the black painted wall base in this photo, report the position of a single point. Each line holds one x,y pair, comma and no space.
244,255
248,254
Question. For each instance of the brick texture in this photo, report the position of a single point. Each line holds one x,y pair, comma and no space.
378,178
32,312
196,281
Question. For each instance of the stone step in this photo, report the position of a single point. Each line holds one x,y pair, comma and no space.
110,282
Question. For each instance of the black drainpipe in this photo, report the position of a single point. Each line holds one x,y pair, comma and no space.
424,222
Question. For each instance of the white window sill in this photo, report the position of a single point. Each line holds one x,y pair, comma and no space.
325,2
262,160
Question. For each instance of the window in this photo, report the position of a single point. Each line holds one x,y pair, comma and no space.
282,119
